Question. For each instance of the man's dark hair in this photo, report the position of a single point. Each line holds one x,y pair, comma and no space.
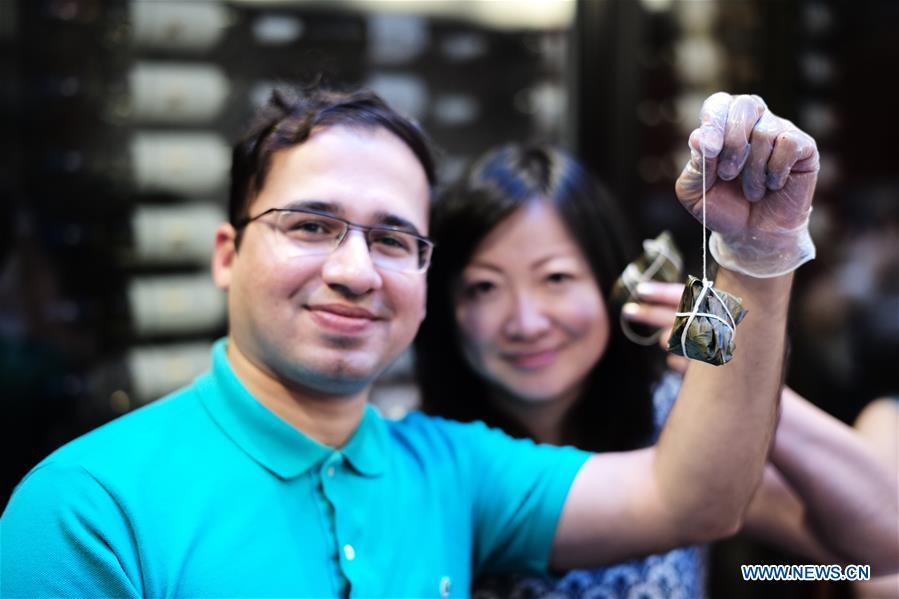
614,411
290,117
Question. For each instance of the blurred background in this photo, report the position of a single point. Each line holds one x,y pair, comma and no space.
118,117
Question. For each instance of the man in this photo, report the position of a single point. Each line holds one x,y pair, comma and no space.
270,475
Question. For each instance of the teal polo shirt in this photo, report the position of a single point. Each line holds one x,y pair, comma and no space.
207,493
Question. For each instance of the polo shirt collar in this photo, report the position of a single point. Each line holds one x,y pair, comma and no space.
272,442
366,451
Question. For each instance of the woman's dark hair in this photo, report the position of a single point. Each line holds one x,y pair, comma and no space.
289,118
615,410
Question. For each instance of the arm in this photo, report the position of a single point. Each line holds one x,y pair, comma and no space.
695,485
825,494
64,536
878,424
777,515
850,496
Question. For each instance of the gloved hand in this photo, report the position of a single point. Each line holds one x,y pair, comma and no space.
760,178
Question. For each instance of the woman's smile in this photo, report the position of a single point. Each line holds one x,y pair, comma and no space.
532,360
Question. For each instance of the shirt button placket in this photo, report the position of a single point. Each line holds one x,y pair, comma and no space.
326,476
330,478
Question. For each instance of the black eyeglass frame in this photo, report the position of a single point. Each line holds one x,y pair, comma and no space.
348,225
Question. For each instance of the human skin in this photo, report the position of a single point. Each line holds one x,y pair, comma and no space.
878,424
305,331
826,494
531,317
647,499
695,484
308,337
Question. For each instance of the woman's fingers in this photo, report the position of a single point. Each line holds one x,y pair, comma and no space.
677,363
657,306
660,293
660,316
652,315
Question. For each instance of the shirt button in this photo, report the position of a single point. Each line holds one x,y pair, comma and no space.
349,552
330,471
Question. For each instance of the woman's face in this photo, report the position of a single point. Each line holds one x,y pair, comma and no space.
530,314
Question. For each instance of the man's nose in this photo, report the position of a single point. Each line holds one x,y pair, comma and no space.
528,318
349,267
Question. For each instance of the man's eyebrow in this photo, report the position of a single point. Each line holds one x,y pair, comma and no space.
397,222
317,205
381,218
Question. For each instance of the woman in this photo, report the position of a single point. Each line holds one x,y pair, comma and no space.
529,249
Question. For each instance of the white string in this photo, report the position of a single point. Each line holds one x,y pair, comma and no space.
704,279
706,284
635,337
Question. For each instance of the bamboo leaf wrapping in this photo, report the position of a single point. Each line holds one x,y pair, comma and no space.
708,339
661,261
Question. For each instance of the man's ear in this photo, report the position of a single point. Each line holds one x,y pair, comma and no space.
223,255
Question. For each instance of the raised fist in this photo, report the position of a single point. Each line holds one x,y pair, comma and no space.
760,178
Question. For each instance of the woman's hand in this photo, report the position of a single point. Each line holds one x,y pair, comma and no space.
657,307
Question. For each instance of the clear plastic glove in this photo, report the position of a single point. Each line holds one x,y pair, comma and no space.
760,178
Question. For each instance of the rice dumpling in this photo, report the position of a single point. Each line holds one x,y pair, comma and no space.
706,323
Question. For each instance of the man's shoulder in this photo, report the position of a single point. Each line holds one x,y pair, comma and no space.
416,422
473,443
431,433
128,440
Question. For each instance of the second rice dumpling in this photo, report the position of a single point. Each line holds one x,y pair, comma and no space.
662,262
706,323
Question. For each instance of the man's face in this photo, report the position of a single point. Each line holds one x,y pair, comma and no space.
328,323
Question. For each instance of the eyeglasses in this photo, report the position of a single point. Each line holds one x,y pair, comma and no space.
309,232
